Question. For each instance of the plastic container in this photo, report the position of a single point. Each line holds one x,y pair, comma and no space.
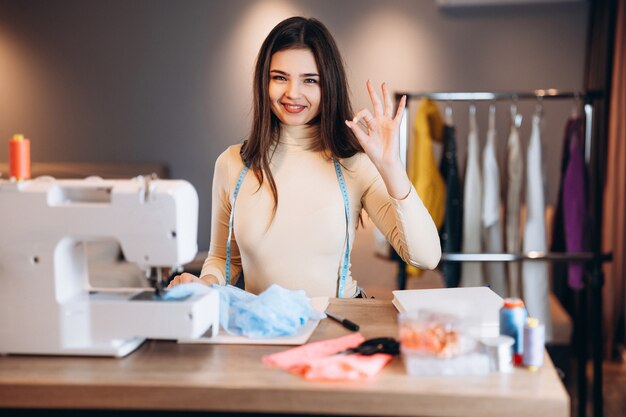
436,343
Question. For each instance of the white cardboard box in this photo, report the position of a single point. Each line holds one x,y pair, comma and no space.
479,307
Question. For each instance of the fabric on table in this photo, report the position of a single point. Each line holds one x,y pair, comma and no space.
275,312
186,290
319,360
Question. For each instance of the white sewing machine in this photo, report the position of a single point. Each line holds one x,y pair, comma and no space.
46,306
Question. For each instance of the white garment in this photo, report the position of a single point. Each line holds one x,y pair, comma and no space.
471,272
515,170
535,273
495,273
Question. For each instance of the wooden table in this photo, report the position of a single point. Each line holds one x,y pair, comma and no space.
169,376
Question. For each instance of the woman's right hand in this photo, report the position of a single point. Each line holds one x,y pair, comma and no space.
186,277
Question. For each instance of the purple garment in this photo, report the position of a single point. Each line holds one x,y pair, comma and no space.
574,199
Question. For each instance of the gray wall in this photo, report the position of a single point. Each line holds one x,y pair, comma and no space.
170,81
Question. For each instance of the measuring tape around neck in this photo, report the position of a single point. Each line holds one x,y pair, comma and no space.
346,204
231,218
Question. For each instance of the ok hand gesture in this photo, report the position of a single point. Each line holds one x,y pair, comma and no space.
381,139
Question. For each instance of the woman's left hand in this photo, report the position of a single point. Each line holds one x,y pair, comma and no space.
381,140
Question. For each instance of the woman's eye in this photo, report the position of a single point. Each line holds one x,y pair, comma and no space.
278,78
310,81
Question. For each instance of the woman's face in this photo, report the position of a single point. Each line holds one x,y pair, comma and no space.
294,88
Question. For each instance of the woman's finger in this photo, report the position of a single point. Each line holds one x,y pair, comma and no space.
367,117
184,278
361,136
378,107
388,102
176,281
400,110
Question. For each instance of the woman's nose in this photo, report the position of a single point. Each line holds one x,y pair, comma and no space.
293,89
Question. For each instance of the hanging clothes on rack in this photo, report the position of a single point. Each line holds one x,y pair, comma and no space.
513,254
452,229
424,174
495,273
575,201
535,273
569,229
471,272
515,167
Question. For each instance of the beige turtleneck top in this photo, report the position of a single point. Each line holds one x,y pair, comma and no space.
303,246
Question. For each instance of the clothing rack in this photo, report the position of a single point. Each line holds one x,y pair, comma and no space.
528,256
592,259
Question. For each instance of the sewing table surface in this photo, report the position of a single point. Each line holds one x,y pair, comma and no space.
165,375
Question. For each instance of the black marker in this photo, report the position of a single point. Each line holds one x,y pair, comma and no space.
344,322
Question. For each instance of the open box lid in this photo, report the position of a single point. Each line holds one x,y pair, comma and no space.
478,307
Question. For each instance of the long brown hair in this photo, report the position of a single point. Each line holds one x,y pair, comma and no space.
336,139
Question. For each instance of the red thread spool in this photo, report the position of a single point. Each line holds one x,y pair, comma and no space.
19,157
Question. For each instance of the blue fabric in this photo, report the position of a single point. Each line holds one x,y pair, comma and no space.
275,312
182,291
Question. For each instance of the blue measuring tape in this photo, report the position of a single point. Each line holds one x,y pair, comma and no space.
346,205
243,173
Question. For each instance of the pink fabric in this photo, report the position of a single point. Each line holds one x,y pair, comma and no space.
318,361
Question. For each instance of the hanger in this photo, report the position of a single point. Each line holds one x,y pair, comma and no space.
472,116
448,114
492,115
516,118
539,107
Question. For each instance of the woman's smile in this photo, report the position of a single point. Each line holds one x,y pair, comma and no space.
293,108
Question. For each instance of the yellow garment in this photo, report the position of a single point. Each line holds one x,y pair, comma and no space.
423,170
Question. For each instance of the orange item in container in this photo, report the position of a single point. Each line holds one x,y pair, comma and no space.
430,333
19,157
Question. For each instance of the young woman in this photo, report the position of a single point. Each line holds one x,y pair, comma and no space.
286,203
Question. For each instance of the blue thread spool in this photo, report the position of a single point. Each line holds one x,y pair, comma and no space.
512,320
534,341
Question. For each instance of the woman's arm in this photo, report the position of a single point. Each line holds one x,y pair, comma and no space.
214,267
390,199
215,264
381,141
405,223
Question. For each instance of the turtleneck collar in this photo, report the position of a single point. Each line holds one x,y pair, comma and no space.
301,136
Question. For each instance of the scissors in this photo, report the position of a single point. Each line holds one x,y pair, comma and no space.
387,345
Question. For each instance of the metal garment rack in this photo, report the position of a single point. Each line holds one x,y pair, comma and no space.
593,259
